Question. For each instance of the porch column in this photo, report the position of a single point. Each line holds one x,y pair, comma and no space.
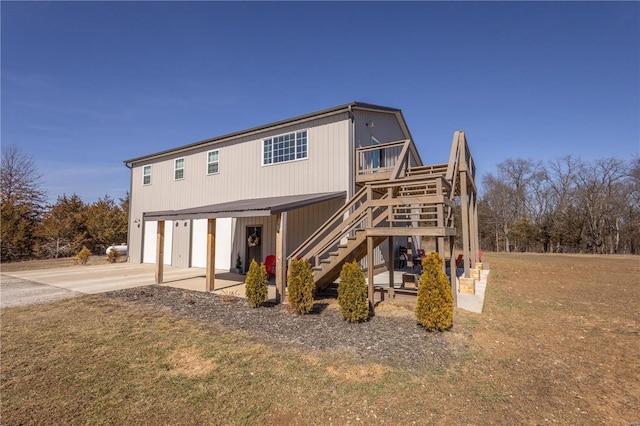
211,255
391,267
160,252
452,271
464,200
370,268
281,256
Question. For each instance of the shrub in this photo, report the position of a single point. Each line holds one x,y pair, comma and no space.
83,256
352,293
113,256
256,285
434,309
300,286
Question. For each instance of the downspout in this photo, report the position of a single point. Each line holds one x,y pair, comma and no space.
129,223
351,190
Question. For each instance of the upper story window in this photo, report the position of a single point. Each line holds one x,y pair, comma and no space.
289,147
146,175
178,169
213,160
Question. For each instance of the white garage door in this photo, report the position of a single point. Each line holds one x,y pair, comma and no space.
223,243
150,239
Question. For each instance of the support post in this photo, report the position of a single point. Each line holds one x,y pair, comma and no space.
370,269
211,255
465,223
160,252
391,267
453,276
281,256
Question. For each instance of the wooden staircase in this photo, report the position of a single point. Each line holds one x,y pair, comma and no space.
401,198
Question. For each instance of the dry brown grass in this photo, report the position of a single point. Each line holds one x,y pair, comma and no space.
558,342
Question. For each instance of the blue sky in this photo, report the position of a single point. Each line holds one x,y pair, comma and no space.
86,85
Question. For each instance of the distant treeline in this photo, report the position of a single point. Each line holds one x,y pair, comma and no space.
564,206
31,228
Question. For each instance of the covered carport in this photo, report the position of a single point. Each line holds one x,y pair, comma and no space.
277,207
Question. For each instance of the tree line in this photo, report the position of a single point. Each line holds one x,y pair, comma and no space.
33,228
563,206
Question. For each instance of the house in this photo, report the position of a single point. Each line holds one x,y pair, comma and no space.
330,186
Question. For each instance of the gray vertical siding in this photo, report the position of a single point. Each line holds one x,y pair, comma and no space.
241,173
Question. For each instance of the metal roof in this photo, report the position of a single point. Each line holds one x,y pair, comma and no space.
246,208
329,111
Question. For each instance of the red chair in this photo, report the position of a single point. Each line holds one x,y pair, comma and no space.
458,261
270,266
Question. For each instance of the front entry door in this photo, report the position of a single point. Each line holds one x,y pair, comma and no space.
254,245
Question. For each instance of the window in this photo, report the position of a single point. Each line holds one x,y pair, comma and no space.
213,158
146,175
178,169
289,147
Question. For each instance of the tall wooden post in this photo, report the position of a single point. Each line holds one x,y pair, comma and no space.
465,223
370,268
211,255
391,267
160,252
281,256
453,274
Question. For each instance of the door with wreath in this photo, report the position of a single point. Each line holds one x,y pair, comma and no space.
254,246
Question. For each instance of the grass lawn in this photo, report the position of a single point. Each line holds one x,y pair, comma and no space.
558,342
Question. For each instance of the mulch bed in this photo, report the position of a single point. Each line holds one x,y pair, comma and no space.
397,341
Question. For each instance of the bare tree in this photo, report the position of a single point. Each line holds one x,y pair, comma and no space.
600,189
22,203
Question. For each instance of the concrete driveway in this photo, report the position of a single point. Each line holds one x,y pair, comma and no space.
47,285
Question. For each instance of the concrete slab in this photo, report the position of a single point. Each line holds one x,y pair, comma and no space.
468,302
103,278
18,292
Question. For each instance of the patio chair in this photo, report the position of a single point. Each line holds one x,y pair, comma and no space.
401,261
270,266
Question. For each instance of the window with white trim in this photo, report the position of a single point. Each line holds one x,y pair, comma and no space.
178,169
213,161
146,175
283,148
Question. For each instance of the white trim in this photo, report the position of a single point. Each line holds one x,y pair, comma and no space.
295,142
175,168
208,163
150,173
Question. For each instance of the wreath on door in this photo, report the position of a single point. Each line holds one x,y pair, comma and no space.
253,240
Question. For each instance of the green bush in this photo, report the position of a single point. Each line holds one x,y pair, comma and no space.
300,287
352,293
256,285
83,256
434,309
113,256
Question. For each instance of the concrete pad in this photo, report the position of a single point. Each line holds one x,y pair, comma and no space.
468,302
18,292
94,279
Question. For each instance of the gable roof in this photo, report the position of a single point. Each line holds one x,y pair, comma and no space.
314,115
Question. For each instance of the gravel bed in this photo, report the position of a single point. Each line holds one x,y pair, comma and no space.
398,341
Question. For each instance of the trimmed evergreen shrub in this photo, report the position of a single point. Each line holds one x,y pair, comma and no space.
300,287
256,285
434,308
83,256
352,293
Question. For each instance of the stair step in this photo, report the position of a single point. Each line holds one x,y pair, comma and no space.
334,253
343,246
325,261
317,268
